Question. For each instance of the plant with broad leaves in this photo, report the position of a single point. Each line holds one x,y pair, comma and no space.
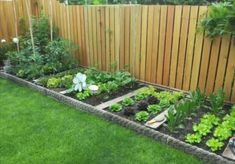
128,102
142,116
154,108
115,107
193,138
214,144
83,95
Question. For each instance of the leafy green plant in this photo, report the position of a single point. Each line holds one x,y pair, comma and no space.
140,97
197,96
142,116
154,108
67,81
193,138
176,96
214,144
49,56
53,82
220,20
217,101
115,107
127,102
4,48
206,124
83,95
164,103
177,113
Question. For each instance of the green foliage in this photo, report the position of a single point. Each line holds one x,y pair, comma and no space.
53,82
193,138
142,116
128,102
154,108
177,113
67,81
214,144
164,103
83,95
197,96
225,130
168,97
4,48
50,56
217,101
147,91
206,124
220,19
115,107
140,97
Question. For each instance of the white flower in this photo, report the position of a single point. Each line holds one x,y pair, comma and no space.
79,82
15,40
3,41
66,2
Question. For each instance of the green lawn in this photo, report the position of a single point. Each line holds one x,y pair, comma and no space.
37,129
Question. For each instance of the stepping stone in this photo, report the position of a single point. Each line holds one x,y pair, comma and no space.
157,121
118,99
228,153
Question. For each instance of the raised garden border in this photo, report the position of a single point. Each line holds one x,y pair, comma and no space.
141,129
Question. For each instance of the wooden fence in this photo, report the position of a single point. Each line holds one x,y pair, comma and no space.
156,43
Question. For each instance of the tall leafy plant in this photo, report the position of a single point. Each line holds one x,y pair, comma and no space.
220,20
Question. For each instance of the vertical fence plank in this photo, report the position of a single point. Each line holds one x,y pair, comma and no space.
122,38
161,49
127,37
223,57
156,25
99,38
112,38
230,72
102,32
107,40
183,46
138,41
175,46
149,44
197,53
213,65
168,47
143,41
190,48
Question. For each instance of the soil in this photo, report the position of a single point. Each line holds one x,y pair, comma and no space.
104,97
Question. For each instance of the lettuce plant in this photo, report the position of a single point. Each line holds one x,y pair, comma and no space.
154,108
214,144
53,82
127,102
142,116
193,138
83,95
115,107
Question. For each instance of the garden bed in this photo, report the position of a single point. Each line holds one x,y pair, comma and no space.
162,136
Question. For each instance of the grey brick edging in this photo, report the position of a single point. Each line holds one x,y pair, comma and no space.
141,129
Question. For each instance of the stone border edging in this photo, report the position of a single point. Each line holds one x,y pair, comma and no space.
141,129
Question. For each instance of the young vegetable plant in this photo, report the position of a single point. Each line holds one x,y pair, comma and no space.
115,107
214,144
83,95
53,82
216,101
128,102
142,116
140,97
154,108
193,138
